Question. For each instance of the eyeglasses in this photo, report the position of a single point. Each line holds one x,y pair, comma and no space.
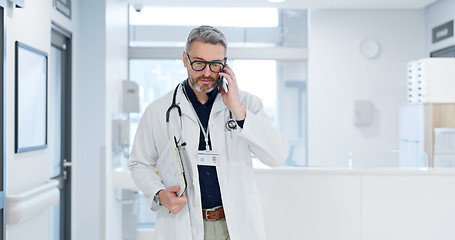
215,67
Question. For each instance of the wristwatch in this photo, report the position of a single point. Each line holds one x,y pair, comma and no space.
156,198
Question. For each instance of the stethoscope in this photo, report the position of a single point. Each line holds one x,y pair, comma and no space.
231,123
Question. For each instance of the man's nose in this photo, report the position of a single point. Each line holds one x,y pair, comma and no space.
207,72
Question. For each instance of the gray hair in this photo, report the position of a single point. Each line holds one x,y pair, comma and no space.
206,34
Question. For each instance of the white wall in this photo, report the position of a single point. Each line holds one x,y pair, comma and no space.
339,75
90,121
116,71
30,25
99,64
102,65
436,14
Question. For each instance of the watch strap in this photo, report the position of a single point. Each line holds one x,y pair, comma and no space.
156,198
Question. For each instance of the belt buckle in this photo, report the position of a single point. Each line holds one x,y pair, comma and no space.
206,215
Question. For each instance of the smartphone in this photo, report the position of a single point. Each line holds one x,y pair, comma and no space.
222,84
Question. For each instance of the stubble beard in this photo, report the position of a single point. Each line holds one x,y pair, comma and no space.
196,86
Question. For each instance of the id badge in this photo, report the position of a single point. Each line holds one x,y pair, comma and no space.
208,158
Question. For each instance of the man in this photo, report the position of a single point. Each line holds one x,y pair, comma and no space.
221,201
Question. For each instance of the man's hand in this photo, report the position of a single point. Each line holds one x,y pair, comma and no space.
231,98
168,198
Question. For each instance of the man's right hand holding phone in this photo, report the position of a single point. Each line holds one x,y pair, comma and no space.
231,99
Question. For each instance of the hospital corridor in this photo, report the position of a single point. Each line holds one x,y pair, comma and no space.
293,120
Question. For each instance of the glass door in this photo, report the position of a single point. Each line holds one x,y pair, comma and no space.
60,130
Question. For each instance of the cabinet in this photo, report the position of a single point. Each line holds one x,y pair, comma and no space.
417,122
431,80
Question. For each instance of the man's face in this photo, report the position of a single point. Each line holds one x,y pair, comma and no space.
205,80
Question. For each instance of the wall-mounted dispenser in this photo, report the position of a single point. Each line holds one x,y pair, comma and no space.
130,92
363,111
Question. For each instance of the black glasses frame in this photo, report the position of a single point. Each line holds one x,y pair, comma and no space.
205,64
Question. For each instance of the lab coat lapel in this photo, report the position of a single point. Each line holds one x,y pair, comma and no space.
184,104
218,105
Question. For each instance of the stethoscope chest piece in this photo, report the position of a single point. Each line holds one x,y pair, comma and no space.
231,124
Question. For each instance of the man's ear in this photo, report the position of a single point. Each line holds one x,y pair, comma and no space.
184,58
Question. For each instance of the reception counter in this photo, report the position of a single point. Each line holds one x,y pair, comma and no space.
354,204
350,204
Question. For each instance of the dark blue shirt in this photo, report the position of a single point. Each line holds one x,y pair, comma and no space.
208,179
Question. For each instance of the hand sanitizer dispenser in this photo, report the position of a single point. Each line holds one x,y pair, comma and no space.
130,94
363,113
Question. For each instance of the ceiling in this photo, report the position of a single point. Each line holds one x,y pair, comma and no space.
313,4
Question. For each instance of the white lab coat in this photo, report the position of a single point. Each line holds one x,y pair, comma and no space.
236,178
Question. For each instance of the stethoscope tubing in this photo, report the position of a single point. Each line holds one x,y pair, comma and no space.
168,112
231,124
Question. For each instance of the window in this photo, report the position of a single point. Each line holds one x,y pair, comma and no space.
155,78
261,53
261,83
163,16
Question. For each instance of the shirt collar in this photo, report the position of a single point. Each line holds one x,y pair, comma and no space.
193,98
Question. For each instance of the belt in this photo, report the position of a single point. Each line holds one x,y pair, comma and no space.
215,213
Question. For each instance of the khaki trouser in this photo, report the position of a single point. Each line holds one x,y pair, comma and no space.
216,230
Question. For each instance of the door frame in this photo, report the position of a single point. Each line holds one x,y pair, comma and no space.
3,6
61,36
